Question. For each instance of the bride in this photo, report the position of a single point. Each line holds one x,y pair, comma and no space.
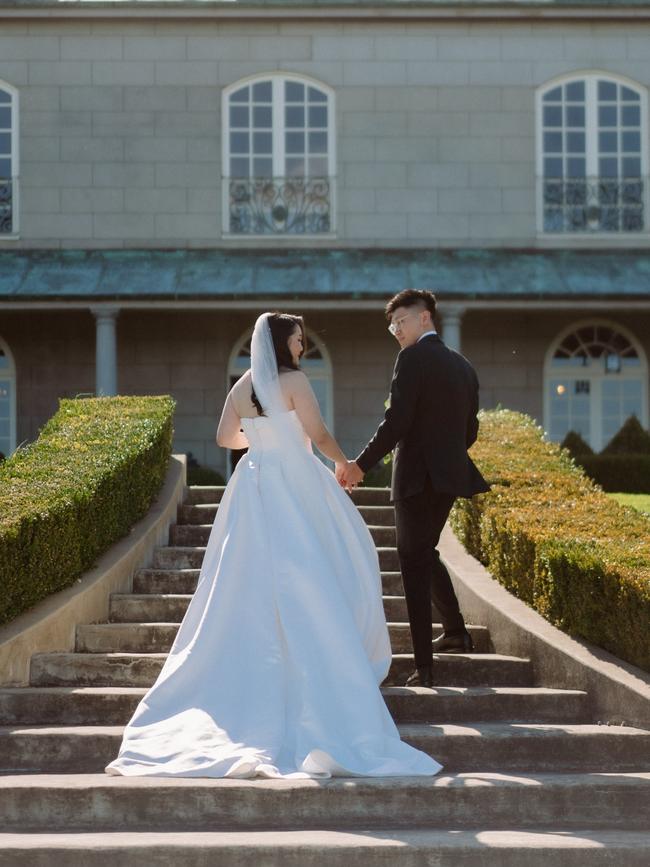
276,666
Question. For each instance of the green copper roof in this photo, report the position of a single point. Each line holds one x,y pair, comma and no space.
236,274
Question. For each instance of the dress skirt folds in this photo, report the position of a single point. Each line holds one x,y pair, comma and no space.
276,666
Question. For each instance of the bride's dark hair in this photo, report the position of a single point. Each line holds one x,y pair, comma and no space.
282,326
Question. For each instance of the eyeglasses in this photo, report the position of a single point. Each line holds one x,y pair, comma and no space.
396,326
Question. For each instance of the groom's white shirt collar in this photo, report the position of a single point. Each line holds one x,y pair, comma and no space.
426,334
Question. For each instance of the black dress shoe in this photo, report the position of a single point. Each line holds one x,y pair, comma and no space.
453,643
422,676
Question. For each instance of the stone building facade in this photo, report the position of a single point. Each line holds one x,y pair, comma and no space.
169,170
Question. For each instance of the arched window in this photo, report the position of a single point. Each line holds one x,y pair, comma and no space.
592,155
278,154
8,160
595,378
315,363
7,401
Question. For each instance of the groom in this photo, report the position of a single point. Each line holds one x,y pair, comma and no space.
431,422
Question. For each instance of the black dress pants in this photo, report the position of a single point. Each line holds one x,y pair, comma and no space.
419,521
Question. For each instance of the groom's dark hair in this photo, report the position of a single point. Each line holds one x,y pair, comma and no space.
410,297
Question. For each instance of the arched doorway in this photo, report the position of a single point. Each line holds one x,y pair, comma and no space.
315,363
595,377
7,401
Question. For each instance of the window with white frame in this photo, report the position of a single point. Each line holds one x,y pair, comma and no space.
595,379
278,156
592,160
7,402
8,160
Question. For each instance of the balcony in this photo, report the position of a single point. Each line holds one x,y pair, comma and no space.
594,205
8,189
279,206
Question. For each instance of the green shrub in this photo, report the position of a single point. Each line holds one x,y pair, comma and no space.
618,472
555,540
575,444
197,475
631,439
623,465
379,476
93,472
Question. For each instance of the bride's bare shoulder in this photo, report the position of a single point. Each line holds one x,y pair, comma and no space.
240,394
293,381
293,376
242,383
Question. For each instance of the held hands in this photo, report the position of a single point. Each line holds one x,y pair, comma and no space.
349,474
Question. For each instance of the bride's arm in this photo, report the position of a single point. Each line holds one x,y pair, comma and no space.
229,433
306,406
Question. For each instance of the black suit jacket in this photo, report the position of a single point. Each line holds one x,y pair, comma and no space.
431,422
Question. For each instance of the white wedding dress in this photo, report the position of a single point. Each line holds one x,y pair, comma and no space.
276,666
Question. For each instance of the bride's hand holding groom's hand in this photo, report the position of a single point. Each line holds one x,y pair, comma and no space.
348,474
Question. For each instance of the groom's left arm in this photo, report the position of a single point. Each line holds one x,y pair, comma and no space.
400,414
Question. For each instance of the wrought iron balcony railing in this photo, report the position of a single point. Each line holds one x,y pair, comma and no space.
280,205
7,206
593,204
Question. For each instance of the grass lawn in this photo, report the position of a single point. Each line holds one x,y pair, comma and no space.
638,501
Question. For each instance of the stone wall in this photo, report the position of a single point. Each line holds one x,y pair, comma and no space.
186,354
508,350
121,122
54,356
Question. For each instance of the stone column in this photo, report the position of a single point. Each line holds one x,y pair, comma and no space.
105,350
451,320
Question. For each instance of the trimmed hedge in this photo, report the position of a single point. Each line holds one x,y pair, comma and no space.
618,472
93,472
624,463
554,539
631,439
575,444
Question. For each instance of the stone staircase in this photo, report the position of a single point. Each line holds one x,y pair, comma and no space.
529,776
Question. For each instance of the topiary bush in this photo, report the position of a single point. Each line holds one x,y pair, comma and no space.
631,439
618,472
93,472
554,539
624,463
575,444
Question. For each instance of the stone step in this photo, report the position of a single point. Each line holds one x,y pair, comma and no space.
370,496
391,583
474,847
112,705
158,637
188,535
177,581
196,495
504,747
142,669
205,513
211,494
191,557
98,802
378,516
171,608
147,580
471,669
